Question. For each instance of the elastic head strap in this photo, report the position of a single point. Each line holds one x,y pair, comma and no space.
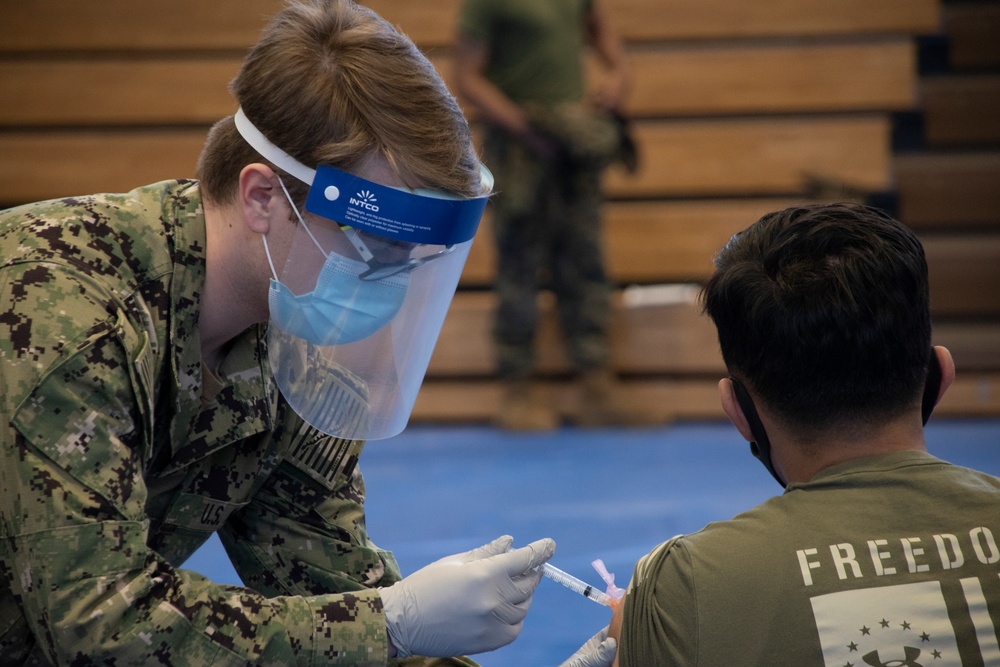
262,145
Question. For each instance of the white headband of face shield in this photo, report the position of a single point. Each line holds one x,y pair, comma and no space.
451,219
262,145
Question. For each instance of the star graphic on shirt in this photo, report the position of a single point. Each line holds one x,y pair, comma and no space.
864,646
898,625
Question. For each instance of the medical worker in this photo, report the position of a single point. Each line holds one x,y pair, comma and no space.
198,357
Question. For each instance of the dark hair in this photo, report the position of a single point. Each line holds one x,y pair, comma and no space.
823,313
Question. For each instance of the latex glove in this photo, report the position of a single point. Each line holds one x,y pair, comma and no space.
467,603
598,651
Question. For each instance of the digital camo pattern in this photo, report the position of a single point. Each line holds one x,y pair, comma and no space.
547,221
119,459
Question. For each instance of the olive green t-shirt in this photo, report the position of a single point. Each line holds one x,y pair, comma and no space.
535,46
888,560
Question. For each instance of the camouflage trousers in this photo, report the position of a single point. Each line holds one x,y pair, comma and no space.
547,222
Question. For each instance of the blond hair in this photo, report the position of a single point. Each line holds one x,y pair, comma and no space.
331,82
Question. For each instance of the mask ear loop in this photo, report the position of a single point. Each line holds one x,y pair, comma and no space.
267,249
932,387
299,216
267,252
761,446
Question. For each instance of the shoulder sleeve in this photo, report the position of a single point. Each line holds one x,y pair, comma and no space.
304,532
73,530
659,624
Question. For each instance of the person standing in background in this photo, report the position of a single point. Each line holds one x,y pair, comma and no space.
521,64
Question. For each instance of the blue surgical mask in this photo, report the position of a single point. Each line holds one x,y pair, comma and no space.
342,308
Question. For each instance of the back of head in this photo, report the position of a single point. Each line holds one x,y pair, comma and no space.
332,82
823,313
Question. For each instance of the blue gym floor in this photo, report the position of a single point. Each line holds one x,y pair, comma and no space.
607,493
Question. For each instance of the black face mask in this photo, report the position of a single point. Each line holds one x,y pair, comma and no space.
761,446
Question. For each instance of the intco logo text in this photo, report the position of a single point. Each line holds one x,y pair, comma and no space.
365,200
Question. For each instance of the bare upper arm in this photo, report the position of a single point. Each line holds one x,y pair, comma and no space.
615,628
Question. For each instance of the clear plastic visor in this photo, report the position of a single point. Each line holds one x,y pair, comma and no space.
356,373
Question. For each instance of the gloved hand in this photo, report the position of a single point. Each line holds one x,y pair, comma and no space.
598,651
467,603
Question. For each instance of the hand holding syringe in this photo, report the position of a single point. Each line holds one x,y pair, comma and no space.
582,587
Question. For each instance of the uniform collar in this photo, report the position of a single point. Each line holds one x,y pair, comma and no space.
245,403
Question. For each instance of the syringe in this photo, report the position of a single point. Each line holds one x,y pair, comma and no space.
578,585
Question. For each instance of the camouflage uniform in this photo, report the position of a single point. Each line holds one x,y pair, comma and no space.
547,224
546,213
121,455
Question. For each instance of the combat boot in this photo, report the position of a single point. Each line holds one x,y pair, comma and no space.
525,407
603,402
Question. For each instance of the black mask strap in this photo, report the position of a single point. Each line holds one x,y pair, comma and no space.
761,446
932,387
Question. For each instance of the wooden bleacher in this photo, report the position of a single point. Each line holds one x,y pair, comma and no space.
736,106
961,109
973,29
948,191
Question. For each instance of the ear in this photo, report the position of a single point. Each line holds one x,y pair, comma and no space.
733,410
261,199
947,370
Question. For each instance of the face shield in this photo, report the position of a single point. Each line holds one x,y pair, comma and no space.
359,299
